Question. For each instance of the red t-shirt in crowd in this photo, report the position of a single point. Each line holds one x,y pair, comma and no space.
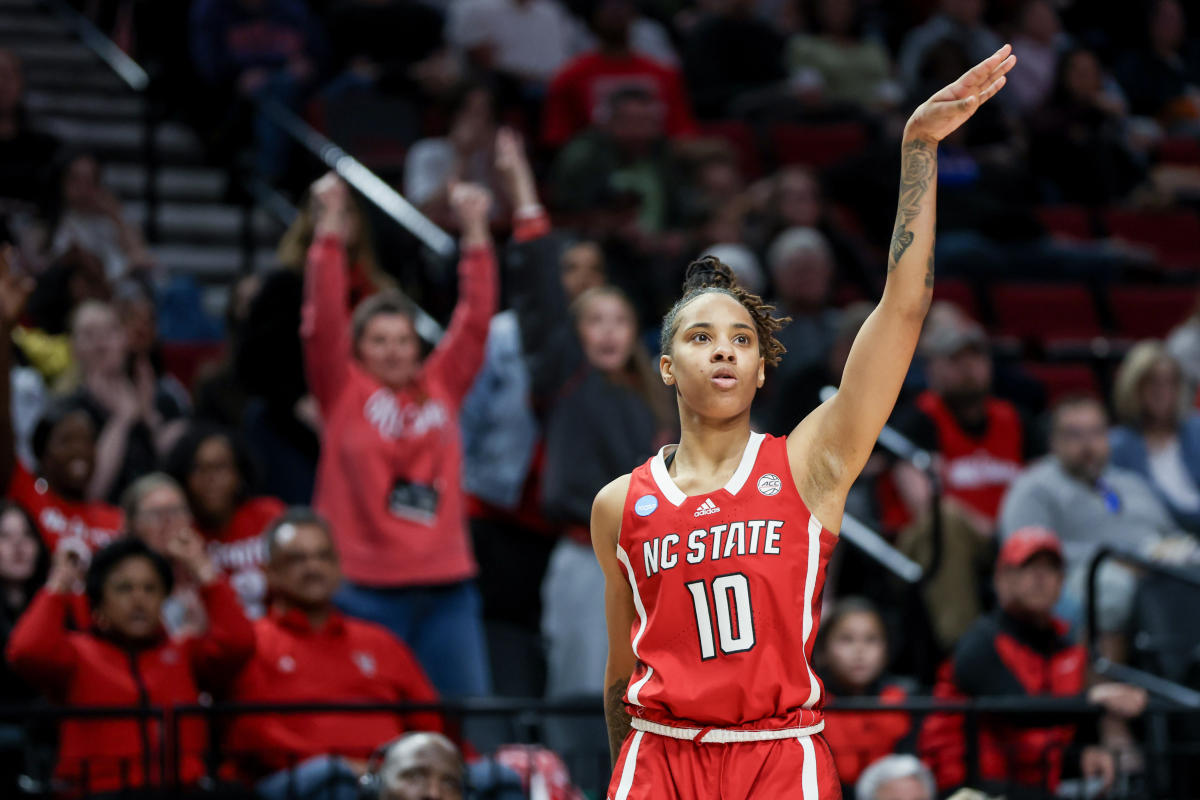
345,660
859,738
390,475
239,551
92,522
579,92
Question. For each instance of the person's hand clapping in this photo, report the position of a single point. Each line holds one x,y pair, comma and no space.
332,207
186,548
944,112
67,567
472,205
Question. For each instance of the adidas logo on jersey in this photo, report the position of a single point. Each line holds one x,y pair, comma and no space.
707,507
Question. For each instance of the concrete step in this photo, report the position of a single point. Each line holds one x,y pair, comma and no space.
36,26
187,184
204,223
116,140
68,53
210,263
85,105
56,78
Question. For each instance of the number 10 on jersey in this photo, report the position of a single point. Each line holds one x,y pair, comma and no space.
731,606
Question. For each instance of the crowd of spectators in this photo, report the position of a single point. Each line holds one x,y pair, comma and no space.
342,508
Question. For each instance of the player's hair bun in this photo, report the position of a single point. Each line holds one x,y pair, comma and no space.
708,272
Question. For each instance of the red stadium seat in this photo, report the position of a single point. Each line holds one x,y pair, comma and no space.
958,292
1047,312
740,137
1070,222
1064,379
1173,235
1145,312
816,145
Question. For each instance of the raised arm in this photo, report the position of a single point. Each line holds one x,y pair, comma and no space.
15,289
325,320
620,611
40,649
831,445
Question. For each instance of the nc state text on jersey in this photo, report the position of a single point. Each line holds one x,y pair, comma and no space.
716,542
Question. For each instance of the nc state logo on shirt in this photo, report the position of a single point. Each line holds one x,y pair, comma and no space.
393,420
364,661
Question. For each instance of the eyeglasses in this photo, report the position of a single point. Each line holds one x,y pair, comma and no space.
164,514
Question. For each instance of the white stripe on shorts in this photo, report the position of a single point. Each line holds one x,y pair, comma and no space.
629,766
808,770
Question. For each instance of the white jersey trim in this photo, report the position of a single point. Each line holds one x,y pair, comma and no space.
808,770
666,485
632,692
628,768
814,561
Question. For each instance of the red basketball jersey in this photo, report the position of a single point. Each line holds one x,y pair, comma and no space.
727,587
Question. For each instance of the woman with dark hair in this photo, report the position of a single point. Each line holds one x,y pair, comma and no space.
126,659
389,479
216,474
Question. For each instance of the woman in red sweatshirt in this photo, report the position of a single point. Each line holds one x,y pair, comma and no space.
389,476
126,659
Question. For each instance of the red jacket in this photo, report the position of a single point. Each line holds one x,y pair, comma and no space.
389,476
859,738
346,660
239,551
91,521
86,669
1001,656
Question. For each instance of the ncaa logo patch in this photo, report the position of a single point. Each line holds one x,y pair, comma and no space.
769,484
645,505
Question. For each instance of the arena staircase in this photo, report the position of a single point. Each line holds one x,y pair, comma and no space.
74,94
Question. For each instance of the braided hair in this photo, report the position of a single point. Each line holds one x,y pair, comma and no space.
709,275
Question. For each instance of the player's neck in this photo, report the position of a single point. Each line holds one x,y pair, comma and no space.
708,451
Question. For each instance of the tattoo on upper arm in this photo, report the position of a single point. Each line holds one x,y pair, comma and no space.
929,272
617,717
918,165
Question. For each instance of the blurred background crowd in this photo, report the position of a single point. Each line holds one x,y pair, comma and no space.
262,444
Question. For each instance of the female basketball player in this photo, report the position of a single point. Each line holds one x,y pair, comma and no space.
714,550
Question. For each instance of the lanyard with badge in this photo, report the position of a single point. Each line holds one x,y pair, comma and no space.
408,499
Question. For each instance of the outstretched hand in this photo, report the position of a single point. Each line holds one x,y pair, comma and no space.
942,114
513,166
331,207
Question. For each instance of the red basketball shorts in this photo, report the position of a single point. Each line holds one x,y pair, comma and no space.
653,767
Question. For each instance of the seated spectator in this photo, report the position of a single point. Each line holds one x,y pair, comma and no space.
129,406
1162,77
581,93
257,51
399,513
729,56
1159,434
958,21
836,65
525,41
156,512
1184,345
1022,649
1082,124
853,650
86,214
214,469
1040,41
896,778
25,153
24,565
134,302
647,37
435,164
1077,492
802,272
127,660
308,652
417,766
623,164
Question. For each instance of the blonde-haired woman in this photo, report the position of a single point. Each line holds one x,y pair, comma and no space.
1159,433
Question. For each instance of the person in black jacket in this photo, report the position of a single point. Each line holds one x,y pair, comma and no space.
1023,650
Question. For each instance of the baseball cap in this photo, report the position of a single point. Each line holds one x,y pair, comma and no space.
1027,542
953,337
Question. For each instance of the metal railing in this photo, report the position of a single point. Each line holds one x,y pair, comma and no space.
1169,763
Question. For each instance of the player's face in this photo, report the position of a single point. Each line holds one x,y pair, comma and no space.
389,349
131,602
714,362
608,331
856,651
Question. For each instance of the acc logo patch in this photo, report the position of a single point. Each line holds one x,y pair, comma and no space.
645,505
769,484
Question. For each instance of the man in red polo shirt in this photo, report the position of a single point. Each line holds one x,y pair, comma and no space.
308,652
